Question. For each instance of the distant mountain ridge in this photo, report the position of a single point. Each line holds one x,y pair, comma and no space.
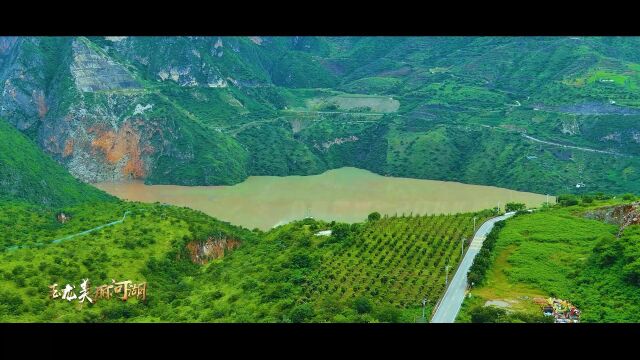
214,110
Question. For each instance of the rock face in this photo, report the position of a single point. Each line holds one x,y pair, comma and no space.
621,215
570,127
87,103
107,143
188,62
337,141
94,71
205,251
22,83
89,113
206,110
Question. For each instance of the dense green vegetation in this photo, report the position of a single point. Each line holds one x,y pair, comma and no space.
238,106
215,110
124,252
394,260
563,252
209,167
494,314
377,270
28,174
374,271
482,261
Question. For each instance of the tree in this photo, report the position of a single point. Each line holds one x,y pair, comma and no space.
340,231
388,314
362,305
302,313
628,197
567,200
606,251
374,216
631,273
300,260
487,314
474,278
512,206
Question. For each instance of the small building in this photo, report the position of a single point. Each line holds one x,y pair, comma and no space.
323,233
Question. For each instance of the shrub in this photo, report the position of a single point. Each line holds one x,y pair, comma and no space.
567,200
388,314
300,261
487,314
10,303
302,313
215,295
340,231
511,206
631,273
374,216
607,251
362,305
602,196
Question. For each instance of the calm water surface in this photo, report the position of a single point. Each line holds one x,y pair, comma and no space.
346,194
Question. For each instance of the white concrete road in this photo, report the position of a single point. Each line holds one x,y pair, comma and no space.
454,295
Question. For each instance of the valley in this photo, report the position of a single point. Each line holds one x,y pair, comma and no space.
207,111
320,179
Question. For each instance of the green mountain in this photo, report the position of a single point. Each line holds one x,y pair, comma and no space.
585,251
199,269
549,115
29,175
214,110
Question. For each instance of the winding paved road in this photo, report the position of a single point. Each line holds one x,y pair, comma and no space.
450,305
572,146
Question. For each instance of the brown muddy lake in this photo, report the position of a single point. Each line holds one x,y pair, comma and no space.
346,194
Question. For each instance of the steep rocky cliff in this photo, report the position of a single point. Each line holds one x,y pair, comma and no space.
27,174
199,110
93,115
93,71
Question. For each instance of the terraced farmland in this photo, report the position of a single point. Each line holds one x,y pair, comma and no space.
396,260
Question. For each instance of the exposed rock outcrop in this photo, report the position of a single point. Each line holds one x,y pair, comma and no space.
337,141
621,215
570,127
212,248
22,82
94,71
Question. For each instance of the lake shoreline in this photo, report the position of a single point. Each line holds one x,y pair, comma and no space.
346,194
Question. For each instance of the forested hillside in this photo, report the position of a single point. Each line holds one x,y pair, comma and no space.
583,250
29,175
214,110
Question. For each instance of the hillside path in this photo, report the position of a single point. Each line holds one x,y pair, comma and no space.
571,146
57,241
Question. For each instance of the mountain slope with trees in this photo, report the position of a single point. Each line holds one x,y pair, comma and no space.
28,175
214,110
